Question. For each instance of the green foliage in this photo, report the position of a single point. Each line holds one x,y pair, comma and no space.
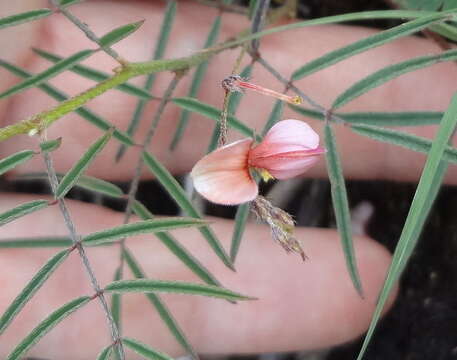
51,145
144,350
426,192
14,160
119,33
148,286
341,205
22,210
72,176
161,308
47,325
31,288
24,17
179,196
141,227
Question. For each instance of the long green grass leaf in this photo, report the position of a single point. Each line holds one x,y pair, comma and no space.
14,160
119,33
36,242
446,30
31,288
148,286
47,74
82,111
367,43
426,192
140,227
22,210
178,194
105,354
341,206
159,51
412,142
72,176
212,113
161,308
177,249
197,80
406,118
390,72
144,350
24,17
47,325
95,75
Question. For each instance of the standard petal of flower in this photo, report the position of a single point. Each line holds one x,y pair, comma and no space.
286,136
223,176
287,167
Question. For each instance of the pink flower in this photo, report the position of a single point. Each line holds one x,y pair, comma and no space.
287,150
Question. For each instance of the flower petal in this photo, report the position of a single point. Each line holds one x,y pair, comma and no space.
286,136
223,176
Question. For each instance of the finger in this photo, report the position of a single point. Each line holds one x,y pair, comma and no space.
300,305
362,158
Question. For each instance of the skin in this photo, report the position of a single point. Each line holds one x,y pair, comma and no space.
300,306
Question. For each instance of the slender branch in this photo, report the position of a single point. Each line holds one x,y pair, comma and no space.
88,32
76,239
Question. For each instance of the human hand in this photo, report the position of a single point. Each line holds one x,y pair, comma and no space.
300,306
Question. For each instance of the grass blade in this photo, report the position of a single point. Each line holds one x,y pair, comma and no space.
119,33
389,73
406,118
22,210
82,111
38,242
31,288
144,350
412,142
24,17
47,325
72,176
212,113
196,83
105,354
140,227
341,206
241,217
177,249
367,43
427,189
148,286
95,75
161,308
164,35
178,194
47,74
50,145
14,160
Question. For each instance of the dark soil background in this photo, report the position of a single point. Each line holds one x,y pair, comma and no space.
423,322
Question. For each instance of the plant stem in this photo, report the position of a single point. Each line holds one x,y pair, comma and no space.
76,239
87,31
